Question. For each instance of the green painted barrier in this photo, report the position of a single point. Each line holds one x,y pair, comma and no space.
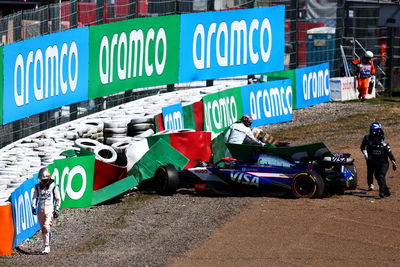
222,109
74,176
113,190
301,153
159,154
133,54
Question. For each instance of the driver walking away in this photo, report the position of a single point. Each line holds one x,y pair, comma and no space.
376,153
48,196
240,132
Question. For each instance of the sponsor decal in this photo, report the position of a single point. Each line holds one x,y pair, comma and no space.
173,117
222,109
240,41
312,85
244,178
25,223
44,73
133,54
269,102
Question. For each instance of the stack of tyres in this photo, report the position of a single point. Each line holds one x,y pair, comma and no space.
138,126
102,152
115,131
86,129
92,129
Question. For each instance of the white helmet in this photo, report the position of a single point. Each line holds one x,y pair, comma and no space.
369,54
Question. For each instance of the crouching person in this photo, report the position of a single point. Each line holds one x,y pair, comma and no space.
240,132
46,195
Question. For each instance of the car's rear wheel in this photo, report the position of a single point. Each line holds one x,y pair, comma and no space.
166,180
308,185
352,184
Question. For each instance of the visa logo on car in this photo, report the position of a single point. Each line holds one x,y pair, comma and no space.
244,178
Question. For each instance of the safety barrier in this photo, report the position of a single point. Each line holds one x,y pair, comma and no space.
85,181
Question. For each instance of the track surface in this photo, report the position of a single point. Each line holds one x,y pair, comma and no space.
356,229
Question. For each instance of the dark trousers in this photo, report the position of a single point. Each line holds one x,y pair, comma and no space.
379,169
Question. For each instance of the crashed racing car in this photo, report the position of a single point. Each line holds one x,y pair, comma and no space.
263,172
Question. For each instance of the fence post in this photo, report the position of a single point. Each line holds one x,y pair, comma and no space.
100,12
17,30
170,87
293,33
390,61
44,20
73,14
132,9
55,17
341,15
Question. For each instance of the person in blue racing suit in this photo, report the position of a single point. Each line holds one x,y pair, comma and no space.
376,153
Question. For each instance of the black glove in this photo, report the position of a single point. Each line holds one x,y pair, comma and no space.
56,213
34,212
394,165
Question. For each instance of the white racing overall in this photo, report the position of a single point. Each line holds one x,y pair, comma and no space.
47,198
239,133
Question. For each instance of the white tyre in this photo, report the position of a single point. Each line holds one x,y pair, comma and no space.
115,130
120,147
98,125
142,120
87,144
141,127
116,124
147,133
105,154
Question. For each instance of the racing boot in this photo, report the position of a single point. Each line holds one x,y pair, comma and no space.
371,187
46,250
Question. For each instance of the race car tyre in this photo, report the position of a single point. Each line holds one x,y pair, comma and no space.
142,120
352,185
308,185
166,180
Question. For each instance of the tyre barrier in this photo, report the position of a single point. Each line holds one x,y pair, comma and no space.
114,129
87,144
120,148
135,129
145,134
92,128
105,153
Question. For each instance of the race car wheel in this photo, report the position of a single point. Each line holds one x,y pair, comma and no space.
308,185
352,184
166,180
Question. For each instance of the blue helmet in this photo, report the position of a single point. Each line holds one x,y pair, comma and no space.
376,131
375,126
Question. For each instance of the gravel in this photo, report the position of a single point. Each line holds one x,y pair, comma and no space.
148,230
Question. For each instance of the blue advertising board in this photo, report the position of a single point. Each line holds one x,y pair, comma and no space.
25,223
44,73
312,85
231,43
173,117
269,102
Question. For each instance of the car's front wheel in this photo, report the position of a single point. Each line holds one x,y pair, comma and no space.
308,185
166,180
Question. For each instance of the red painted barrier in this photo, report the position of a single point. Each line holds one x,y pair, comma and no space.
106,174
196,146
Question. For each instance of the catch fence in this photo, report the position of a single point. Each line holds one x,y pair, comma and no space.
315,30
